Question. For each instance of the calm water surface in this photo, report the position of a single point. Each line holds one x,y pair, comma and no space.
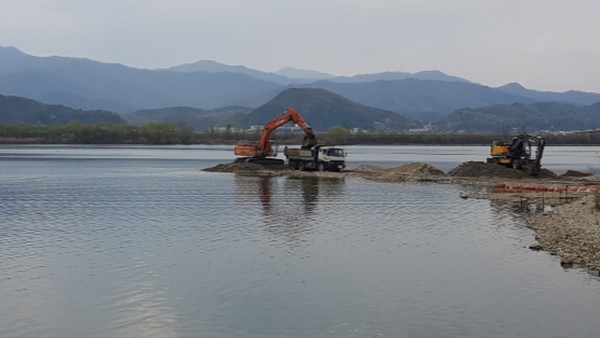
139,242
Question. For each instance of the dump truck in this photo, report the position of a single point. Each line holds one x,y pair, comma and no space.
320,157
519,153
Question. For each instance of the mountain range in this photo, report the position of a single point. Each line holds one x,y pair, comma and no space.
210,93
87,84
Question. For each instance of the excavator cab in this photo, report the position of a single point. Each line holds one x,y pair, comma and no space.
251,150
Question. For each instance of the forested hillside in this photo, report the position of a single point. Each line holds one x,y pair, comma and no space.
549,116
19,110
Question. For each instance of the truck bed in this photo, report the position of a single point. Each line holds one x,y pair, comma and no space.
297,152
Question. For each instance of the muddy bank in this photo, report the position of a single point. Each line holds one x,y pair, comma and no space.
571,230
244,167
467,172
413,172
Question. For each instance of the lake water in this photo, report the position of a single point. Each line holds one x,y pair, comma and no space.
139,242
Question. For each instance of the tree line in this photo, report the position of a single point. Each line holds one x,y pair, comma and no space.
159,133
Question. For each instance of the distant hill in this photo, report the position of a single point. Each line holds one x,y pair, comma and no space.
196,118
209,66
323,110
412,95
435,75
534,117
571,96
18,110
303,75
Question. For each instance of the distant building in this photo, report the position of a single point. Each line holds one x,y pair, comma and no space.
282,129
426,129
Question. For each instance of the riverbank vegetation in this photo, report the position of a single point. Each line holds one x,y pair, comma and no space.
156,133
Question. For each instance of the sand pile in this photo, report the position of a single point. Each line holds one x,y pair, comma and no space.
367,168
418,169
417,172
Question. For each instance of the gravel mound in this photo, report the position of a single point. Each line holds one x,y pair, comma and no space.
575,173
483,169
244,167
545,173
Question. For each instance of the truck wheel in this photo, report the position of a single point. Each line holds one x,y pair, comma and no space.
294,165
321,167
301,166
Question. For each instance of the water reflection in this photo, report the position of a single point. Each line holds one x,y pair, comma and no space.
289,206
265,188
310,192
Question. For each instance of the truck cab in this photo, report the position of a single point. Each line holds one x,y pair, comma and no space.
320,157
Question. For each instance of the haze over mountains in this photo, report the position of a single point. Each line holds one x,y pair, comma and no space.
210,93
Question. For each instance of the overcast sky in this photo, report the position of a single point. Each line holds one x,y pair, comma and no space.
542,44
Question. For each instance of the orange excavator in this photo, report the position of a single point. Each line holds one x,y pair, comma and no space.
258,153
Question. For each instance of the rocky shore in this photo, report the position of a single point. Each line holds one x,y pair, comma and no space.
572,232
571,229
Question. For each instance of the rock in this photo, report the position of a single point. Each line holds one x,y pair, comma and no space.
567,261
535,247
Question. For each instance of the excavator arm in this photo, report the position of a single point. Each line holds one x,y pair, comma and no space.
264,147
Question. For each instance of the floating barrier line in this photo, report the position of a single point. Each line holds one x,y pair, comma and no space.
535,188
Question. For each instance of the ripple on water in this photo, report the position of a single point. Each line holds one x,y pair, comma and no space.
164,252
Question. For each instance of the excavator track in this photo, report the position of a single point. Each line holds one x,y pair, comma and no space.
260,160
